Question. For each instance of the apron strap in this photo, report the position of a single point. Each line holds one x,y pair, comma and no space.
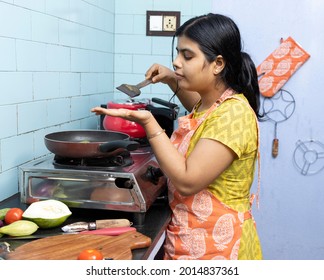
247,215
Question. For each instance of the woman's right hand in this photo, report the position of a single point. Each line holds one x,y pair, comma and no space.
159,73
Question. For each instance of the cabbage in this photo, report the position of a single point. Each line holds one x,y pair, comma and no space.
47,213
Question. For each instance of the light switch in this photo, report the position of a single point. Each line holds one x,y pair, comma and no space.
156,23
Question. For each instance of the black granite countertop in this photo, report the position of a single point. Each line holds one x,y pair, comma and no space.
153,225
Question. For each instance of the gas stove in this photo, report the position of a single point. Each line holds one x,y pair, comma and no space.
129,182
132,184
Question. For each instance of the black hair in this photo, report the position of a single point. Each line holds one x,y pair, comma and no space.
219,35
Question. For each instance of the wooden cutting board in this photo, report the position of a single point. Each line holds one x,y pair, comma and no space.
68,247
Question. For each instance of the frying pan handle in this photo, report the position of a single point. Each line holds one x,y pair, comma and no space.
117,144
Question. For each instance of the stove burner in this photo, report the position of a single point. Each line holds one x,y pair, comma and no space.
102,163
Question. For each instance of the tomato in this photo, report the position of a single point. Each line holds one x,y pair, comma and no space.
13,215
90,254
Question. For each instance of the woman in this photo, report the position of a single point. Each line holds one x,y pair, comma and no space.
210,158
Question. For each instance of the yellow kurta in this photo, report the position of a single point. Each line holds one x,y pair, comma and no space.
233,124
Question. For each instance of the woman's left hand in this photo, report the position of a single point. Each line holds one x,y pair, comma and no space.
140,116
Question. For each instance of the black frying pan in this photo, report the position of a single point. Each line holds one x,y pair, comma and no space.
88,143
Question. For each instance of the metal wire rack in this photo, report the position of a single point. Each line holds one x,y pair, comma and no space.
277,109
309,157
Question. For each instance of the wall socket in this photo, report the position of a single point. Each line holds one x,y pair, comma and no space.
169,23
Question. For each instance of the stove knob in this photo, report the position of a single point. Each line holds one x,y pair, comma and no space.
152,174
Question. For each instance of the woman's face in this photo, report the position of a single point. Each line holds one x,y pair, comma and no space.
192,70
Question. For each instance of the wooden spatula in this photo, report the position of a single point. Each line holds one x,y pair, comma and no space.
133,90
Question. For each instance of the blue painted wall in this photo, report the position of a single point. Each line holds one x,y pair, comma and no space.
59,58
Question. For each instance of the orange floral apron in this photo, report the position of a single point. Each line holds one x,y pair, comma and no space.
201,227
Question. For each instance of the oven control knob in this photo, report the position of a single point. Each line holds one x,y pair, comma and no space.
152,174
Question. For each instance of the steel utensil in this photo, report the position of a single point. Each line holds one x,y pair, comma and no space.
98,224
134,90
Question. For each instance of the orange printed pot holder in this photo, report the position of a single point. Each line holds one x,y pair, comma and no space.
280,65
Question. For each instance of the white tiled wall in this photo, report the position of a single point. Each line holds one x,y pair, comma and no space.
56,62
